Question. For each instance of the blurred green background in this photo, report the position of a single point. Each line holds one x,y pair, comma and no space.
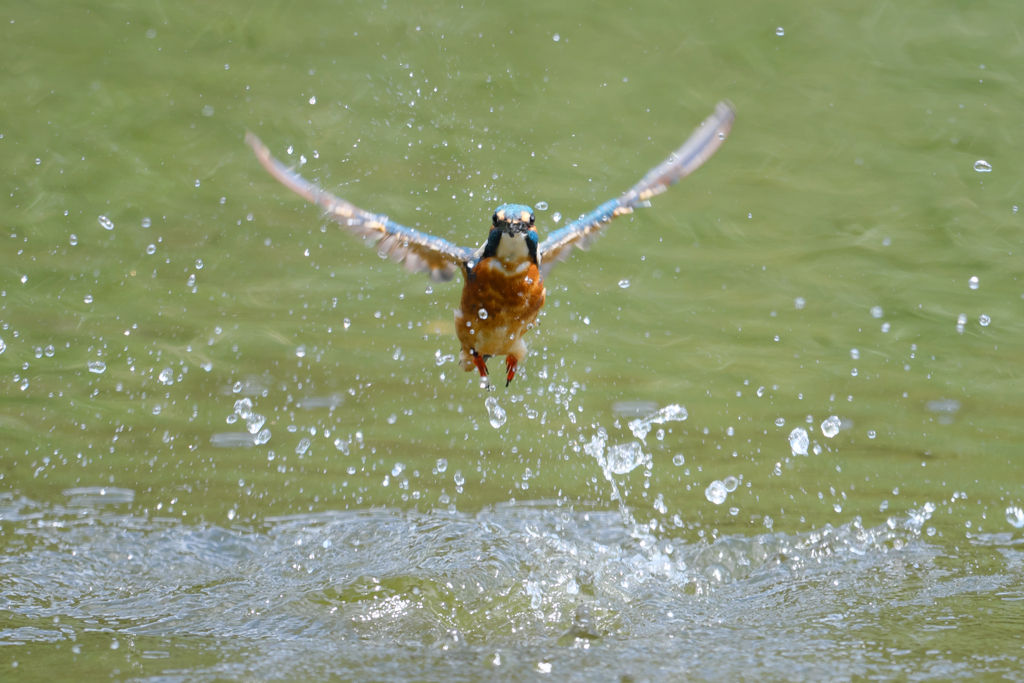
816,266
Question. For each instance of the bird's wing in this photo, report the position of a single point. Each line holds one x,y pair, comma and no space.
416,250
704,142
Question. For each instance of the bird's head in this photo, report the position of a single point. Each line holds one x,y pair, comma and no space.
513,219
513,234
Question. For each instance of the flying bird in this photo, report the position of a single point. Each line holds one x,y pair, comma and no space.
503,279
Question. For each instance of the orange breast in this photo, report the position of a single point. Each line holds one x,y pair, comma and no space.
499,304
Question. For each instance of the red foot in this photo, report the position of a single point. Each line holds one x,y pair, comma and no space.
481,365
510,364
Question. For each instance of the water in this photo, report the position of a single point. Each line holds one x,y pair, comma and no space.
133,513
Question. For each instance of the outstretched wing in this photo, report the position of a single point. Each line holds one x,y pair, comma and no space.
416,250
704,142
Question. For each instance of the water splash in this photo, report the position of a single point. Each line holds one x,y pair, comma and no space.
671,413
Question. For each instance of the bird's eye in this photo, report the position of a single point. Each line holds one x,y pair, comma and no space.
531,219
494,219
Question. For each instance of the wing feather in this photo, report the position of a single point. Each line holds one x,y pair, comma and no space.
417,251
697,149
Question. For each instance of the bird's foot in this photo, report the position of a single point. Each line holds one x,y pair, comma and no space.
510,364
480,363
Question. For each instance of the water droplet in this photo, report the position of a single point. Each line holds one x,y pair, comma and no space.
1015,516
191,280
495,413
716,493
458,478
973,282
24,384
961,319
397,469
760,392
780,422
982,166
392,419
871,433
24,279
146,222
49,351
302,447
255,423
300,350
151,249
236,388
346,323
106,222
199,264
556,216
799,302
97,366
830,427
730,483
231,515
208,110
74,239
624,458
442,465
624,284
984,320
678,459
87,299
166,376
482,313
541,206
243,408
877,312
799,441
885,327
780,31
854,354
556,37
312,100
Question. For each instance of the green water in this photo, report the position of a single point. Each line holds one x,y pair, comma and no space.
815,267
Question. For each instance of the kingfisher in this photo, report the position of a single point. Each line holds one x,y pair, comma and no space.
503,279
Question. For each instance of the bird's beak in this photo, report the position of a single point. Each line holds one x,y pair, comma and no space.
517,228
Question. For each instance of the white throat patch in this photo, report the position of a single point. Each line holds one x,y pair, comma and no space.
512,248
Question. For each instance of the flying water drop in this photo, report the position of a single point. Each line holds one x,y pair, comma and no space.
715,492
495,413
982,166
830,427
799,441
106,223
